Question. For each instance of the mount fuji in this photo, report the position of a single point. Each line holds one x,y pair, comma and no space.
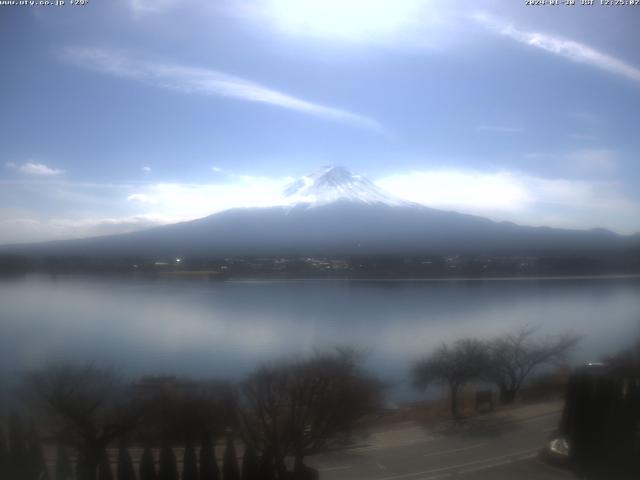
331,184
335,212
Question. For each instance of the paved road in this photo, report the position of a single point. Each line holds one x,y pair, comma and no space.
501,446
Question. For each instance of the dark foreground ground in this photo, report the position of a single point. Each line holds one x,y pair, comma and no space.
502,445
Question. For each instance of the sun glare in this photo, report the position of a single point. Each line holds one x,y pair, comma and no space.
354,20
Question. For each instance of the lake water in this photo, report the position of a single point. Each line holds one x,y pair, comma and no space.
225,329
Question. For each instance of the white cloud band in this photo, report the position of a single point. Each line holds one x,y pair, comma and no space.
500,195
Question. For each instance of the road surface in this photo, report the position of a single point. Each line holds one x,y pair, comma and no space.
495,446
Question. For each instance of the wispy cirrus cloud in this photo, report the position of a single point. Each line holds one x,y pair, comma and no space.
569,49
33,168
207,82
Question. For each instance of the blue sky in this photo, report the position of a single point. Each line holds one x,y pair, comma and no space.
124,114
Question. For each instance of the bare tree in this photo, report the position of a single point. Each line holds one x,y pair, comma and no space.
208,463
167,464
261,412
250,464
86,407
18,448
126,471
230,468
63,470
4,456
189,463
514,356
626,362
36,461
299,407
147,466
328,396
182,410
452,365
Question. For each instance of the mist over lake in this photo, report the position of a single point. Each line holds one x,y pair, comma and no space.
224,329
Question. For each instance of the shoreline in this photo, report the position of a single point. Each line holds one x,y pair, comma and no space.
217,277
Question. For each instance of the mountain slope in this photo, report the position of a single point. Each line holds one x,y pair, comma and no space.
337,213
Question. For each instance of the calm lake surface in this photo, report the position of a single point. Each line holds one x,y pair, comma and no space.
202,328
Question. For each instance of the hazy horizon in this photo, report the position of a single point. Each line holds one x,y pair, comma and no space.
280,198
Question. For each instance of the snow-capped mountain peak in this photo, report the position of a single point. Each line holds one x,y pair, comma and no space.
334,183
